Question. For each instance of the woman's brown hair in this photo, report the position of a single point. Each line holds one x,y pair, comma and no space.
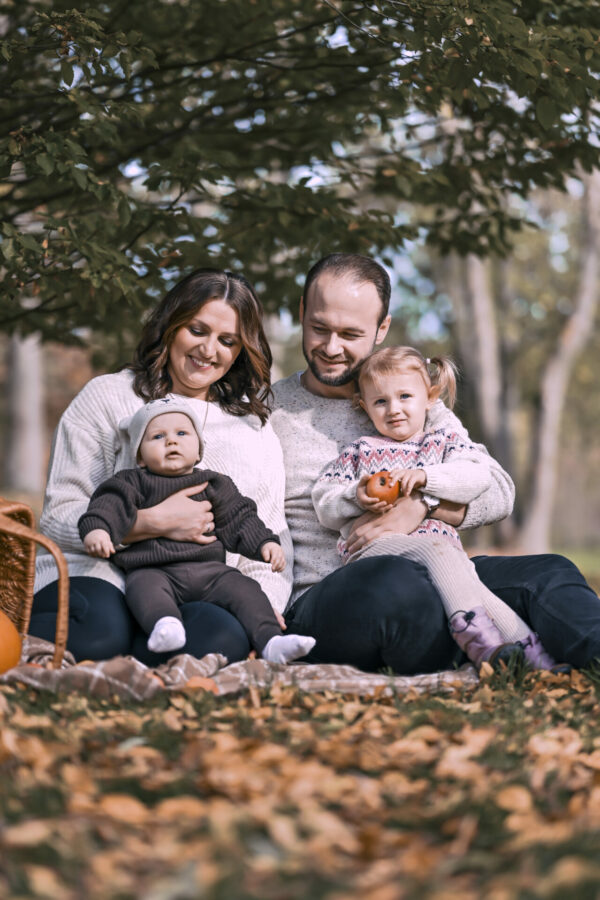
245,389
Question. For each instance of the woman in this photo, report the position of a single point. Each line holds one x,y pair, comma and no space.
204,341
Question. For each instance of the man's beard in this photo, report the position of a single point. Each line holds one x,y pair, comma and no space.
346,377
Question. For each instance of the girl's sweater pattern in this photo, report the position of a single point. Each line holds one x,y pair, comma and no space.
445,456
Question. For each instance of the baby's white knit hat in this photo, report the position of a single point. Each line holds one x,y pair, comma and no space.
136,425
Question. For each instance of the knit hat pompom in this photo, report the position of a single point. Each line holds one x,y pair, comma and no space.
136,425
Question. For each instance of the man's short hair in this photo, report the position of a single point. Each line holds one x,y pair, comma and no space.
363,269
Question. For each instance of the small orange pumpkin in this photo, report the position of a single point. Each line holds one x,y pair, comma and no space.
379,486
10,644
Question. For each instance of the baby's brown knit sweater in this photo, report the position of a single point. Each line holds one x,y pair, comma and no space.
114,506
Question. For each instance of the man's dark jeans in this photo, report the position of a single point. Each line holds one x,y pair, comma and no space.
383,611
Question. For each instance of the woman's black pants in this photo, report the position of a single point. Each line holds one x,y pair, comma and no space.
101,626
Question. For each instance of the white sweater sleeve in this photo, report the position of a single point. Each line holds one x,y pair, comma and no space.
460,481
463,474
496,501
335,504
334,493
83,455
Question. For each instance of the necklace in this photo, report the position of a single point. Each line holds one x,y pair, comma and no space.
205,414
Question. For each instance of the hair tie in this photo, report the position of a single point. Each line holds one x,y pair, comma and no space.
428,361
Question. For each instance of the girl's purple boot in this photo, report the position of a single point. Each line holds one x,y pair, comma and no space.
476,634
538,658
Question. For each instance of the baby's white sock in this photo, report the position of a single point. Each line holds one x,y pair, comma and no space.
286,647
167,634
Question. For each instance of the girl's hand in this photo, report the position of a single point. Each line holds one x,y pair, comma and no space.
408,479
272,552
98,543
372,504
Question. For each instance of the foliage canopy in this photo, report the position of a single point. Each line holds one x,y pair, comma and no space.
145,139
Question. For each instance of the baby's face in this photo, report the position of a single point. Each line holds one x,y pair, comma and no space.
170,445
397,404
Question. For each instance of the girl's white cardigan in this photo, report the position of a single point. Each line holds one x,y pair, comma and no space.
88,448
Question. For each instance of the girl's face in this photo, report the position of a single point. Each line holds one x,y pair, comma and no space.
204,349
397,404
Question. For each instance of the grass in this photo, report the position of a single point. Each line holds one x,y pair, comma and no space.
490,791
587,561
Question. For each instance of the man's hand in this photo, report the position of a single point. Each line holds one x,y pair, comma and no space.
179,518
272,552
450,513
408,479
98,543
406,514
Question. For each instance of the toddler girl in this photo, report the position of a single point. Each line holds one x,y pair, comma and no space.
396,388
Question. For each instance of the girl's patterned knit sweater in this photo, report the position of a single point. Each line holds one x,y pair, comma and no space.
452,465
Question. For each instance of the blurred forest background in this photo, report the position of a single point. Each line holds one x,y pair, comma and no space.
457,142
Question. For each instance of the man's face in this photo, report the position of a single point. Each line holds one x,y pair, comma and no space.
339,330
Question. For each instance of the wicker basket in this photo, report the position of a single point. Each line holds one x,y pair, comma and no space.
17,569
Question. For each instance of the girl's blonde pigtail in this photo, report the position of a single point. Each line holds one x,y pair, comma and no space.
444,377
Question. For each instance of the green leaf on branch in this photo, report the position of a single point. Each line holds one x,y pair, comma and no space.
45,162
119,133
546,112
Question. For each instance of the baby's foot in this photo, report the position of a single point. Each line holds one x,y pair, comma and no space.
167,634
286,647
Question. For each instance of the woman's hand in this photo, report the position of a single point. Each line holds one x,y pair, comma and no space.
272,552
179,518
406,514
98,543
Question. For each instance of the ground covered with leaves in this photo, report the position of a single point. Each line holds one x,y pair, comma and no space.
491,791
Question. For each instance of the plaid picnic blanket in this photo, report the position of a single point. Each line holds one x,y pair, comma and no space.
126,677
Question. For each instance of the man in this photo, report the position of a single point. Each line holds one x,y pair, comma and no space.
383,611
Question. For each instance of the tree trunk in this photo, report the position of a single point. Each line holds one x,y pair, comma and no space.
487,348
25,440
468,283
536,531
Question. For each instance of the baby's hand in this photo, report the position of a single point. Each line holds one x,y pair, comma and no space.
372,504
272,552
98,543
409,479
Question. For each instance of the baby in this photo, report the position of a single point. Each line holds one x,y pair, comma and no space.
161,574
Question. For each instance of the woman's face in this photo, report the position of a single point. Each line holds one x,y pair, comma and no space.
204,349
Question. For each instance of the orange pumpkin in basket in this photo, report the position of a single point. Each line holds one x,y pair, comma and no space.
10,644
